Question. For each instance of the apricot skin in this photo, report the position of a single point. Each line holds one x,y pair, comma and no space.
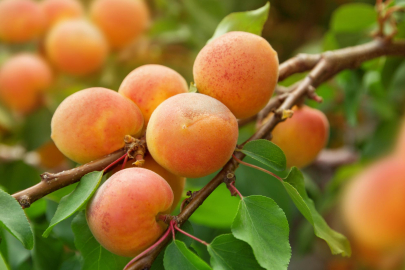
123,214
150,85
76,47
93,123
240,70
302,136
177,183
20,20
58,10
373,206
192,135
23,79
120,20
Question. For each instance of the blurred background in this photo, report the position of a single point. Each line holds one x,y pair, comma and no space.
72,48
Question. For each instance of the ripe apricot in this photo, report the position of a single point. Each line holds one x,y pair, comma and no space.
150,85
192,135
23,79
124,213
58,10
302,136
120,20
20,20
373,206
240,70
50,156
93,123
177,183
76,47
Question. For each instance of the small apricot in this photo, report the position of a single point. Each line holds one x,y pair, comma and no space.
58,10
240,70
150,85
93,122
124,213
192,135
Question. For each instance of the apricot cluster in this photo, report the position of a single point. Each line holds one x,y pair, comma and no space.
187,134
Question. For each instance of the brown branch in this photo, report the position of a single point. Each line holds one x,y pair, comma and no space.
324,67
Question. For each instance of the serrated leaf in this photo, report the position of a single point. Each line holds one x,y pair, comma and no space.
95,257
263,225
230,253
353,17
17,223
193,88
248,21
267,153
73,202
336,241
178,256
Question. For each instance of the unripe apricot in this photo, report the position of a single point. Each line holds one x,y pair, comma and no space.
373,206
23,79
93,123
177,183
20,20
120,20
150,85
192,135
58,10
76,47
240,70
302,136
124,213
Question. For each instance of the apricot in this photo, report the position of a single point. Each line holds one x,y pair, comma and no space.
177,183
373,206
121,21
20,20
150,85
124,213
58,10
76,47
23,79
240,70
302,136
50,156
192,135
93,123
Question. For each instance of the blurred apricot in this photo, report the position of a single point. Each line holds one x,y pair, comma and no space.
76,47
50,156
58,10
121,21
20,20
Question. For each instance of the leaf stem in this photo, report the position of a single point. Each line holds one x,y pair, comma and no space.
257,167
125,162
189,235
115,162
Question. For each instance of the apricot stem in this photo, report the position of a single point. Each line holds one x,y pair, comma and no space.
189,235
115,162
257,167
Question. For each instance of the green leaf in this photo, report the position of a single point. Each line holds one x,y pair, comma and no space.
16,223
229,253
95,257
353,17
3,264
267,153
37,129
48,252
263,225
336,241
73,202
249,21
178,256
193,88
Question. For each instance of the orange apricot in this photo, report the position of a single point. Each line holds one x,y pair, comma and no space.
177,183
240,70
20,20
121,21
58,10
192,135
150,85
93,123
76,47
373,206
124,213
50,156
302,136
23,79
